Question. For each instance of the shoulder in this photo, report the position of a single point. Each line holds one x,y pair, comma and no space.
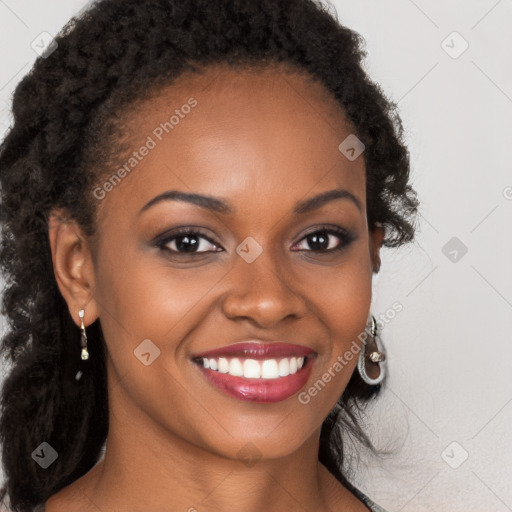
75,496
69,498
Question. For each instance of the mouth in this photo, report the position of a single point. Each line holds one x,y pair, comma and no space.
257,371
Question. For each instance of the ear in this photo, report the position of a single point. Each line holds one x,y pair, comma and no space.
377,234
72,265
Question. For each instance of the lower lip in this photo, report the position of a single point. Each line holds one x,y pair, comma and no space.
260,390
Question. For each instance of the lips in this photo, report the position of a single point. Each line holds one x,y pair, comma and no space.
259,350
257,371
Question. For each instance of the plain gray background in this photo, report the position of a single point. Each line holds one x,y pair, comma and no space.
447,407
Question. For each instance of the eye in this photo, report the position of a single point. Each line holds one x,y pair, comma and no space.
321,240
187,241
193,241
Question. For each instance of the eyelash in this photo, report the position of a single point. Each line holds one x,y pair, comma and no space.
346,239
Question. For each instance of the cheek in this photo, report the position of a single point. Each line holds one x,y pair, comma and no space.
342,294
342,304
142,295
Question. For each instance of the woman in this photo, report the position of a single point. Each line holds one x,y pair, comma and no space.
194,197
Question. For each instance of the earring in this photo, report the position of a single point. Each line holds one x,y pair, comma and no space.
376,356
83,336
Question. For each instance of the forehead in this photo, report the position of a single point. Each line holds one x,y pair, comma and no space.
238,134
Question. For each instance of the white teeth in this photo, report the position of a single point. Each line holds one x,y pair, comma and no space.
284,368
252,369
223,365
235,368
269,369
255,369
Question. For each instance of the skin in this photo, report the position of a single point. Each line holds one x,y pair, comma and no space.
255,138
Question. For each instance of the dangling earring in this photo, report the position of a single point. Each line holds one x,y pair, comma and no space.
375,357
83,336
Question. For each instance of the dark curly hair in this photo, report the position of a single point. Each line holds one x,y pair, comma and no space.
115,53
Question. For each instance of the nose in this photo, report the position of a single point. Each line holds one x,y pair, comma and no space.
262,293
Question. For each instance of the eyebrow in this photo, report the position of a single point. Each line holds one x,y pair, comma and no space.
220,206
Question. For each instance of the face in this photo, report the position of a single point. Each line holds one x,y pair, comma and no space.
174,276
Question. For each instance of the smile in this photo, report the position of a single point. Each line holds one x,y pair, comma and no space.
253,369
257,372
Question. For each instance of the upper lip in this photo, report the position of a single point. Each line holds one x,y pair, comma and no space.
257,349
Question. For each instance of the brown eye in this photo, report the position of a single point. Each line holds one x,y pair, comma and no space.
324,239
187,241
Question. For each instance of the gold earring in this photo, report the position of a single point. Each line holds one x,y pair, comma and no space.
83,336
